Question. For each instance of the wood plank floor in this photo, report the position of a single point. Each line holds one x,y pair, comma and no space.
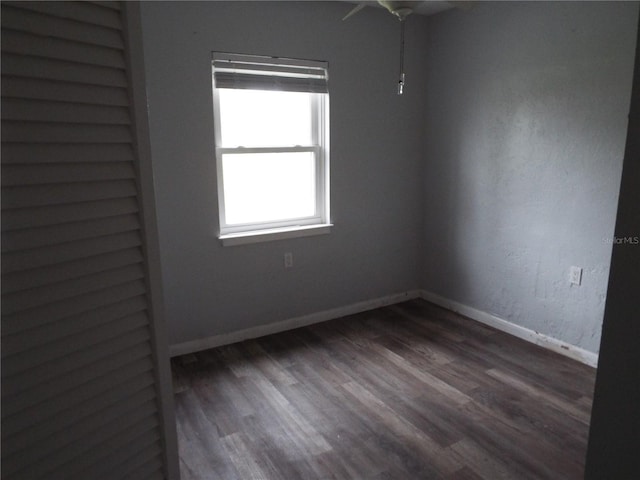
410,391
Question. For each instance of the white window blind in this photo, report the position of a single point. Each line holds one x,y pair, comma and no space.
251,72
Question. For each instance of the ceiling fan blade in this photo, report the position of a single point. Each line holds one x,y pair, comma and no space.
354,10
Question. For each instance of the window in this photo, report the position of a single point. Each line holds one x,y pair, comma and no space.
271,120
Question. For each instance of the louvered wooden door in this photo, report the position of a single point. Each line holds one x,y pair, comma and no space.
82,391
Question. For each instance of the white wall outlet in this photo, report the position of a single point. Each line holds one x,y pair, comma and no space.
575,275
288,260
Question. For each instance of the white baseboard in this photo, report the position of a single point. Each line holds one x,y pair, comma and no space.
550,343
262,330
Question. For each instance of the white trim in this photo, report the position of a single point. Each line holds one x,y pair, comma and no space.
244,150
537,338
244,238
319,149
531,336
284,325
321,138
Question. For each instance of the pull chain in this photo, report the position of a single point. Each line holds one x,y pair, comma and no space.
401,80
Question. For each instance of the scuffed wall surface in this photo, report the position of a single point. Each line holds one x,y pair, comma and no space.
376,163
526,122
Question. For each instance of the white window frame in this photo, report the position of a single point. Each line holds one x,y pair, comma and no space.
319,223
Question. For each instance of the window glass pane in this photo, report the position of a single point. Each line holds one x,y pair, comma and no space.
262,118
265,187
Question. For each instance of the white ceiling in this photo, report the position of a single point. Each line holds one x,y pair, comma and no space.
426,7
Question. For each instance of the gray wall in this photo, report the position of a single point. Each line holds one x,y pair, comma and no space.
526,121
376,163
495,172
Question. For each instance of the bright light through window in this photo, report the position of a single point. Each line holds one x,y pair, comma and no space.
263,118
262,187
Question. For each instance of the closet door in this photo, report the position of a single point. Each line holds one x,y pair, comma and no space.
85,374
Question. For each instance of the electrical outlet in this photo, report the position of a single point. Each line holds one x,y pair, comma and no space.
575,275
288,260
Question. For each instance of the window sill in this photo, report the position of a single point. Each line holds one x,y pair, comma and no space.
244,238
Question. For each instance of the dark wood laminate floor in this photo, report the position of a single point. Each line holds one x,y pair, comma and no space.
410,391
